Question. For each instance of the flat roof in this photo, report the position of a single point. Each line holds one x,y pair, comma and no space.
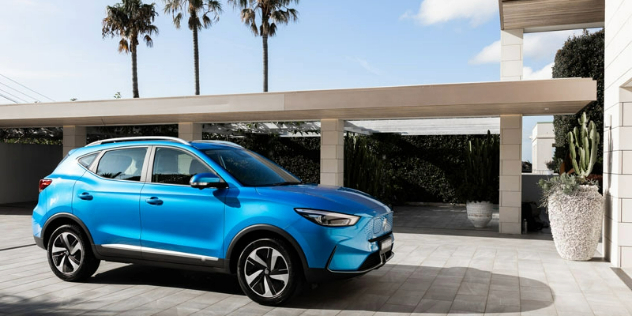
551,15
484,99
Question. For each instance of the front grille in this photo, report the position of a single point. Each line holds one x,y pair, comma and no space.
380,225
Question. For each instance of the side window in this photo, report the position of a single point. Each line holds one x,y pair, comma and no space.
86,161
122,164
175,166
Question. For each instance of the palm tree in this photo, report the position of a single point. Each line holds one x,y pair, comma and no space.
196,9
272,13
131,19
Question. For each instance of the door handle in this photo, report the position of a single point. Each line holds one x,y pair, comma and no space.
86,196
154,201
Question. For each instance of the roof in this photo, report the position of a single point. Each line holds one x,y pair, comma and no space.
483,99
551,15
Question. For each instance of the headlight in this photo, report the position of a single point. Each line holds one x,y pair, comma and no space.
325,218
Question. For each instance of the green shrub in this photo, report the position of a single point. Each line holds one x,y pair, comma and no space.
581,56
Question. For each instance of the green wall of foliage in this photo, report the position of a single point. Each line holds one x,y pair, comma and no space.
581,56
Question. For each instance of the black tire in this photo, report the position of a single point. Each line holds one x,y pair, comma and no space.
70,254
264,285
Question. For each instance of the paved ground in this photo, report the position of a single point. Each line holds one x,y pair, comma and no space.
433,273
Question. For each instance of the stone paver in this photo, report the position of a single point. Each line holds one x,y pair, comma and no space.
431,274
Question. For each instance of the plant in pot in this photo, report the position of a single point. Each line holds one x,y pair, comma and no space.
479,181
574,203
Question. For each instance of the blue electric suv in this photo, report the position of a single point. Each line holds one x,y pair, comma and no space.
205,205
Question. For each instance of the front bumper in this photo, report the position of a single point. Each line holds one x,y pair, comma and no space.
371,262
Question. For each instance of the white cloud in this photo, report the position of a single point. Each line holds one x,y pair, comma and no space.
536,45
545,73
365,64
489,54
441,11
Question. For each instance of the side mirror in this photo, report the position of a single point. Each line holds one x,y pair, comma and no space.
207,180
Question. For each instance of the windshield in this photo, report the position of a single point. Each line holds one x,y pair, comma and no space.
250,168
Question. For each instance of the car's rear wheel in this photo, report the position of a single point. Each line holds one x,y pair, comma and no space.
70,255
268,272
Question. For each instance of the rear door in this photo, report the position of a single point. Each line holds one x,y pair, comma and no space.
180,224
107,199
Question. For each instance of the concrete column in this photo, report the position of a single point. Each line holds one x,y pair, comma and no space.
74,137
510,174
190,131
332,151
511,55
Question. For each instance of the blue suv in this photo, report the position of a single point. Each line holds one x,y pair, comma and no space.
208,205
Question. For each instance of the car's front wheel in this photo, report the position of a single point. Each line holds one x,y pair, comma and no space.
268,272
69,254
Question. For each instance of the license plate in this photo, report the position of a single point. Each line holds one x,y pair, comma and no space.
386,245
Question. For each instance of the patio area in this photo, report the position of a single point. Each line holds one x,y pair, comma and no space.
434,272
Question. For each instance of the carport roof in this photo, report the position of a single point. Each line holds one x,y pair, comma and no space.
484,99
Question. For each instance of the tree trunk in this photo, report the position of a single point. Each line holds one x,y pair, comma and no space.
265,62
196,61
134,74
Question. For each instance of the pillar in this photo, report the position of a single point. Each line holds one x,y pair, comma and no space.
510,191
74,137
332,152
190,131
511,57
617,180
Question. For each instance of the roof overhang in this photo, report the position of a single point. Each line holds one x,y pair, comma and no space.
551,15
486,99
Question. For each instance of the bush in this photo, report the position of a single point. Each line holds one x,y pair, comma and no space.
581,56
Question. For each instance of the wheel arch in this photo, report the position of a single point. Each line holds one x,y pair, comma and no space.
252,233
60,219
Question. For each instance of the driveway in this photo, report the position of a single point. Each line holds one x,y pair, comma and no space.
433,273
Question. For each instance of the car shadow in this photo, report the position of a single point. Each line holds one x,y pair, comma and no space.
394,288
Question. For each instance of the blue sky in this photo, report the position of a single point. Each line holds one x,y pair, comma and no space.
55,47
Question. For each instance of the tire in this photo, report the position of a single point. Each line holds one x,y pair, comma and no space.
70,254
264,285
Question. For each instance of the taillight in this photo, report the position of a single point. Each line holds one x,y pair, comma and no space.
43,183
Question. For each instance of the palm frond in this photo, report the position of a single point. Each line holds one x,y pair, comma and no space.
123,46
177,19
149,41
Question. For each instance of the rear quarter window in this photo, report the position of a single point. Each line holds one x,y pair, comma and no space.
86,161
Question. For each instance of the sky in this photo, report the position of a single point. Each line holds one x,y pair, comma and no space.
55,48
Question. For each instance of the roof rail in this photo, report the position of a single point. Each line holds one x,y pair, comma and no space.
221,142
138,138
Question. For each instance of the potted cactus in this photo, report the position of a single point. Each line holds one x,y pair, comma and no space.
479,182
574,203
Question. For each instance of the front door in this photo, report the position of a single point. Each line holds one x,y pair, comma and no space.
180,224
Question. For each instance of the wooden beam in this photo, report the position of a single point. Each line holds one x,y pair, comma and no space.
551,15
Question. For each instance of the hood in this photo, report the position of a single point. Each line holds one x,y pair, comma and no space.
327,198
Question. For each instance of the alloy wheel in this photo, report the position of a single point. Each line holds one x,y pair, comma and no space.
67,253
266,272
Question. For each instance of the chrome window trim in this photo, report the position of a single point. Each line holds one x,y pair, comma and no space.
159,251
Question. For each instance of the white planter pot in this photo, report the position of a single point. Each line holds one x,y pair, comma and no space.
576,222
479,213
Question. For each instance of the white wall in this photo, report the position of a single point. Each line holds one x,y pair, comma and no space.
21,168
542,140
617,133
